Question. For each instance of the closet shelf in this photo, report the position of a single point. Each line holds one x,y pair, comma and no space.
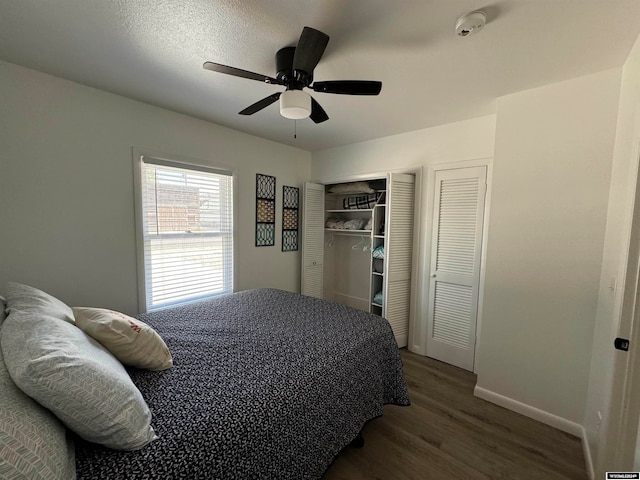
332,194
344,231
351,210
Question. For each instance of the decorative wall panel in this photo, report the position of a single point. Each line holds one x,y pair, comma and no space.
290,214
265,210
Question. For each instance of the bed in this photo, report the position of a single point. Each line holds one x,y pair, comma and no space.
265,384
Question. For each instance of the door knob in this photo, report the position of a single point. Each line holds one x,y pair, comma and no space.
433,274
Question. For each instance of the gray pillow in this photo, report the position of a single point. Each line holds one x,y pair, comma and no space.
33,442
3,306
75,377
28,299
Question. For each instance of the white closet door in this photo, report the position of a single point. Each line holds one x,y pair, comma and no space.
312,240
455,265
398,254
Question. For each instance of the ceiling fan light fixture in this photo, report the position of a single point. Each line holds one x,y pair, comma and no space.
295,104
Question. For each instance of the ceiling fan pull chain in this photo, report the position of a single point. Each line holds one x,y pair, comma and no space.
295,129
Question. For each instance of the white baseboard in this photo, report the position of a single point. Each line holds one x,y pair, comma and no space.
351,301
528,411
545,417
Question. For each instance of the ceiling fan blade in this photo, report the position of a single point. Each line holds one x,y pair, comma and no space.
318,115
260,104
217,67
309,50
348,87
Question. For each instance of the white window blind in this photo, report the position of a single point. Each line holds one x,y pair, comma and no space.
187,226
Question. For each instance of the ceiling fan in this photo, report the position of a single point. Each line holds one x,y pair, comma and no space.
294,66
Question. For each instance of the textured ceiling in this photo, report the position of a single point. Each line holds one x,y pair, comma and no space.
153,51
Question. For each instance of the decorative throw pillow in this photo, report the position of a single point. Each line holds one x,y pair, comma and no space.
28,299
131,341
71,374
33,442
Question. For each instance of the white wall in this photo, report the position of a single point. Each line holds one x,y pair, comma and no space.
455,142
66,187
616,247
469,139
551,175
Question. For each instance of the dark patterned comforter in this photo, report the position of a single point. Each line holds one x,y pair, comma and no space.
266,384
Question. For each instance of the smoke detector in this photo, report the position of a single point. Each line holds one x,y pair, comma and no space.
470,23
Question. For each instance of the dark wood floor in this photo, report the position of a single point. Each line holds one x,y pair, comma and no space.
447,433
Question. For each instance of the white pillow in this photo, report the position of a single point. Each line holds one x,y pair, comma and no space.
71,374
28,299
131,341
33,442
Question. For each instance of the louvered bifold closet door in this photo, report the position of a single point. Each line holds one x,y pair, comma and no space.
313,240
455,265
399,254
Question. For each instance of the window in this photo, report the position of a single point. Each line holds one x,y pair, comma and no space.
186,232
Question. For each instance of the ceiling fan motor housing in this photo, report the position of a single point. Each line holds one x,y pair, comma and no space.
295,80
284,61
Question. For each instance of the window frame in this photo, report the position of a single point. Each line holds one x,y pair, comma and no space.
174,161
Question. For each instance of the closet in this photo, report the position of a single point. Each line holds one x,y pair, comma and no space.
357,246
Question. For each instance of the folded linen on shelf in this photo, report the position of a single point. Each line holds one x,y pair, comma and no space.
351,187
352,224
378,265
355,224
361,201
378,252
378,298
335,223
